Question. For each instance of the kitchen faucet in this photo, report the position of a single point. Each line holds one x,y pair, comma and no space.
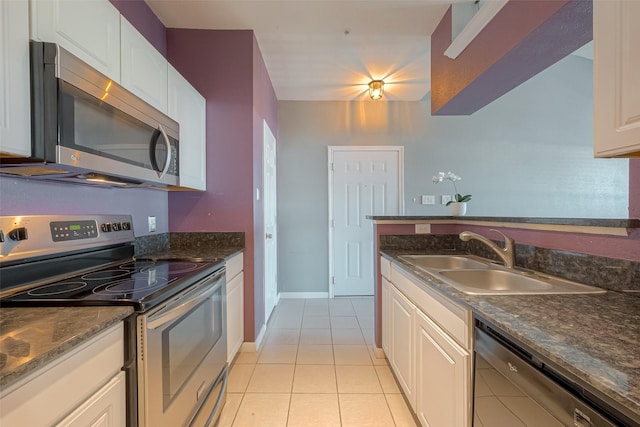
507,254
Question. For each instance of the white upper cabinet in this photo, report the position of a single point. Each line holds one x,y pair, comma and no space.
616,67
88,29
15,138
188,108
143,68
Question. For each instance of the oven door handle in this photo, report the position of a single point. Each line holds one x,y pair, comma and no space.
160,319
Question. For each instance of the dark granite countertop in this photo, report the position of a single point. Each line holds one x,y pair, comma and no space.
33,337
594,337
586,222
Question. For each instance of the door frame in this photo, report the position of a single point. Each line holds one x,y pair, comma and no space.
364,148
268,132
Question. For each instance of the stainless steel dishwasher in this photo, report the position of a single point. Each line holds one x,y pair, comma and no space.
514,386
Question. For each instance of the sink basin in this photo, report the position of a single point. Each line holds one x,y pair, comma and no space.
506,282
443,262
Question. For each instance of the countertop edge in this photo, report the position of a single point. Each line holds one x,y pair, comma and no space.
12,377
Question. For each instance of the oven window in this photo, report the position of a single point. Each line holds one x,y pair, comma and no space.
186,343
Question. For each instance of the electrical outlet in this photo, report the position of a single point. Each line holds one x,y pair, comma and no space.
423,228
152,224
428,200
446,199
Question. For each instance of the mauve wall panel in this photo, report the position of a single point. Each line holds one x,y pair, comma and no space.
219,64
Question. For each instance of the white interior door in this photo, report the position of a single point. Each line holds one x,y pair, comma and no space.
362,181
270,224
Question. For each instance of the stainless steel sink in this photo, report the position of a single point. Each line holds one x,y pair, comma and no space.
477,276
444,262
512,282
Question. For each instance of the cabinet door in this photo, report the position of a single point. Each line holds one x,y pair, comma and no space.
88,29
188,108
105,408
386,321
616,68
143,68
402,313
235,316
15,138
443,377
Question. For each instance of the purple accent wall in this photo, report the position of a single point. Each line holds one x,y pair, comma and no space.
226,67
138,13
521,41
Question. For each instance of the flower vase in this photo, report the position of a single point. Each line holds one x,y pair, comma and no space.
458,208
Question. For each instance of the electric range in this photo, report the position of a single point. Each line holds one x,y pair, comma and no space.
176,352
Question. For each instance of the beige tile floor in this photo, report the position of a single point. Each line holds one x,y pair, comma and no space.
317,368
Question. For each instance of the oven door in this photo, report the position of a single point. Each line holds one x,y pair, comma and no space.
182,351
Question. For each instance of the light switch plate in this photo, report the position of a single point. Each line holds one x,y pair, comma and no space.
428,200
446,199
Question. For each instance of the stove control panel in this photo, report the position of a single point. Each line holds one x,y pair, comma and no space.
73,230
27,236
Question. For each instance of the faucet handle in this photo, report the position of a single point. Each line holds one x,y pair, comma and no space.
507,240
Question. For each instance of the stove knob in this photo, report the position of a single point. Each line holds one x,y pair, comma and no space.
126,226
106,227
18,234
116,226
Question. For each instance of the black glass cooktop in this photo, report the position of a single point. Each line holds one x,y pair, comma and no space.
137,283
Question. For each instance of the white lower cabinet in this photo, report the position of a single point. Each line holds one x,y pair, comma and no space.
106,408
443,375
429,347
402,314
83,387
386,300
235,306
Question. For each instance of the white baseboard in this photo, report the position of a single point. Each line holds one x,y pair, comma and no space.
253,347
294,295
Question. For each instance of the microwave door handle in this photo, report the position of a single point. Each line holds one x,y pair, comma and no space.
167,143
164,318
152,151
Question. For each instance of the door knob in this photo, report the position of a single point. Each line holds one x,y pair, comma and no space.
269,236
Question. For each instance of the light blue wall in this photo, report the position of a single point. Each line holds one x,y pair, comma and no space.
19,196
529,153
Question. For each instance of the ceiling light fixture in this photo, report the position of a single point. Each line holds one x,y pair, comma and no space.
376,89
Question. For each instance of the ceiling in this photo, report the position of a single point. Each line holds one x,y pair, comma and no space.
326,50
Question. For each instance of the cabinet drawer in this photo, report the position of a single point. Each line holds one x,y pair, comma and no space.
234,266
455,320
385,268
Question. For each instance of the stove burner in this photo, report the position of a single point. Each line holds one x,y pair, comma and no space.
57,289
106,274
128,286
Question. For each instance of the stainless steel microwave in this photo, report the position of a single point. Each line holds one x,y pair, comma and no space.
87,128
